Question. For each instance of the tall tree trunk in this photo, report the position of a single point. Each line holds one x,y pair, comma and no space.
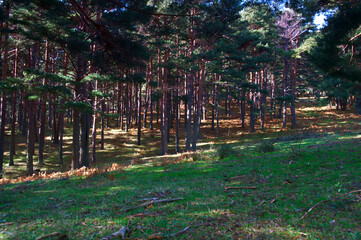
177,112
3,94
102,126
127,111
252,99
217,109
13,113
22,115
94,129
43,110
61,120
285,89
197,122
61,134
213,107
293,93
151,108
55,125
189,112
30,138
139,114
76,144
263,97
84,133
243,107
164,108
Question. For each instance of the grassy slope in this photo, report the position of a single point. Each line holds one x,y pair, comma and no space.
301,172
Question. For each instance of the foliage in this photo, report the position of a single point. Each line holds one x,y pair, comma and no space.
225,150
266,146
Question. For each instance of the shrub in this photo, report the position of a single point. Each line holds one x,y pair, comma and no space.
266,147
225,150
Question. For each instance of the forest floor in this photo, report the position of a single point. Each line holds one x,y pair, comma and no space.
121,147
240,186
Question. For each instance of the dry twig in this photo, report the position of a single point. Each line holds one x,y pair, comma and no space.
328,200
234,178
229,188
58,235
177,233
153,202
120,233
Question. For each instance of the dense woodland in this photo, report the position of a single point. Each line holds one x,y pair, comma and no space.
87,65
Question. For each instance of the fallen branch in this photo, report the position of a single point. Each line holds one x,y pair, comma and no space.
6,223
120,233
229,188
234,178
141,215
273,200
328,200
177,233
54,234
153,202
147,199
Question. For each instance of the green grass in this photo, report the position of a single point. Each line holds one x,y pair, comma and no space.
302,171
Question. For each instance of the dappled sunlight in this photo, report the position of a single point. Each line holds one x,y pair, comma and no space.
121,147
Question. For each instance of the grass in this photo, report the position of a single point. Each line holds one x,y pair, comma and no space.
287,185
316,161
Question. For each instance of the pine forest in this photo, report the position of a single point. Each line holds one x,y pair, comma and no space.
187,119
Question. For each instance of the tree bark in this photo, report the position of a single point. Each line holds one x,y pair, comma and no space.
43,110
30,138
139,115
94,129
13,114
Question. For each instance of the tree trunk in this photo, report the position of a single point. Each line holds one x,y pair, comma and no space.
243,107
84,133
151,109
13,114
139,115
197,122
102,126
30,138
293,93
43,110
61,134
94,129
263,97
213,108
217,109
189,112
